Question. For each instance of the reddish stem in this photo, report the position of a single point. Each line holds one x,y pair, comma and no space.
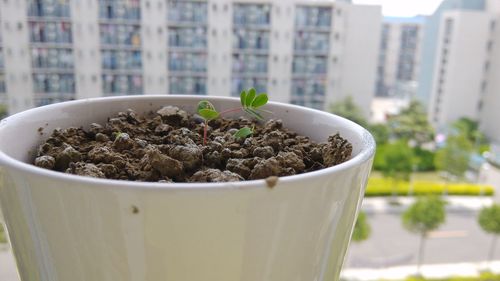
230,110
205,133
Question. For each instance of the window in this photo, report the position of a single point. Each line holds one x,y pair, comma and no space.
112,59
448,26
251,36
188,85
48,8
116,10
311,49
187,41
122,84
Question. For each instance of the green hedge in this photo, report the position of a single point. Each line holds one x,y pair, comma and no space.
3,239
483,277
383,187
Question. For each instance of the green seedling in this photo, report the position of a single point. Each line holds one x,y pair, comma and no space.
207,111
251,103
243,133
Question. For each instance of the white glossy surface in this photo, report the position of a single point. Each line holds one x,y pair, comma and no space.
65,227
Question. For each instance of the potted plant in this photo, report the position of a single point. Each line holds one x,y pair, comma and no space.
69,227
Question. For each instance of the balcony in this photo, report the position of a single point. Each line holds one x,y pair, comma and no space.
129,10
122,84
183,13
48,9
179,85
252,14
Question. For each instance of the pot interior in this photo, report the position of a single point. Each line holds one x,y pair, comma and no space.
22,133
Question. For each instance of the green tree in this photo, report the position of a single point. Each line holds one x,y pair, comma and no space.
470,129
380,132
347,108
362,229
397,163
423,216
424,159
453,158
3,238
3,111
411,124
489,220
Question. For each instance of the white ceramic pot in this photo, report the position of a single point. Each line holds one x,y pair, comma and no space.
65,227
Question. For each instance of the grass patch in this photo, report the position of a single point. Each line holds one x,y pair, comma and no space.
483,277
384,187
425,176
3,237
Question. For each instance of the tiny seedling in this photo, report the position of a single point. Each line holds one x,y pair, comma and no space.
207,111
243,132
251,103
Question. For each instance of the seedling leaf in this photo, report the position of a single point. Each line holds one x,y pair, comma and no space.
207,110
204,104
208,114
243,97
243,132
260,100
249,98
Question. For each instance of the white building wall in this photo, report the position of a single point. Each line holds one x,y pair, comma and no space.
17,56
490,113
396,53
281,51
86,53
493,6
154,46
220,40
462,63
392,54
361,41
418,52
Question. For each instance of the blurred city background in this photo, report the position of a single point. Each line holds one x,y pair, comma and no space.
422,76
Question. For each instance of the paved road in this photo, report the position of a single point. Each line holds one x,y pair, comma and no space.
460,239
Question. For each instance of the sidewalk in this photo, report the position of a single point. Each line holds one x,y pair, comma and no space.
455,203
428,271
8,270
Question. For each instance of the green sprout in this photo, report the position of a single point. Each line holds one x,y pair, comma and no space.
207,111
243,133
250,103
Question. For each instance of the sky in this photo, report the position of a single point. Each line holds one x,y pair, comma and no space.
403,8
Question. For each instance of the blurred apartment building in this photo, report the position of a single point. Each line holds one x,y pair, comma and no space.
466,65
306,52
399,57
3,91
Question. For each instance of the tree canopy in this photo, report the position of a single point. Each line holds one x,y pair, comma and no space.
398,161
381,133
362,229
347,108
3,111
454,156
470,129
489,219
426,214
411,124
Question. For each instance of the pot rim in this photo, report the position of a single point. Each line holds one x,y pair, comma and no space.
366,153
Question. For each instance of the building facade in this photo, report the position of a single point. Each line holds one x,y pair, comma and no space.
429,43
310,53
399,58
466,70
